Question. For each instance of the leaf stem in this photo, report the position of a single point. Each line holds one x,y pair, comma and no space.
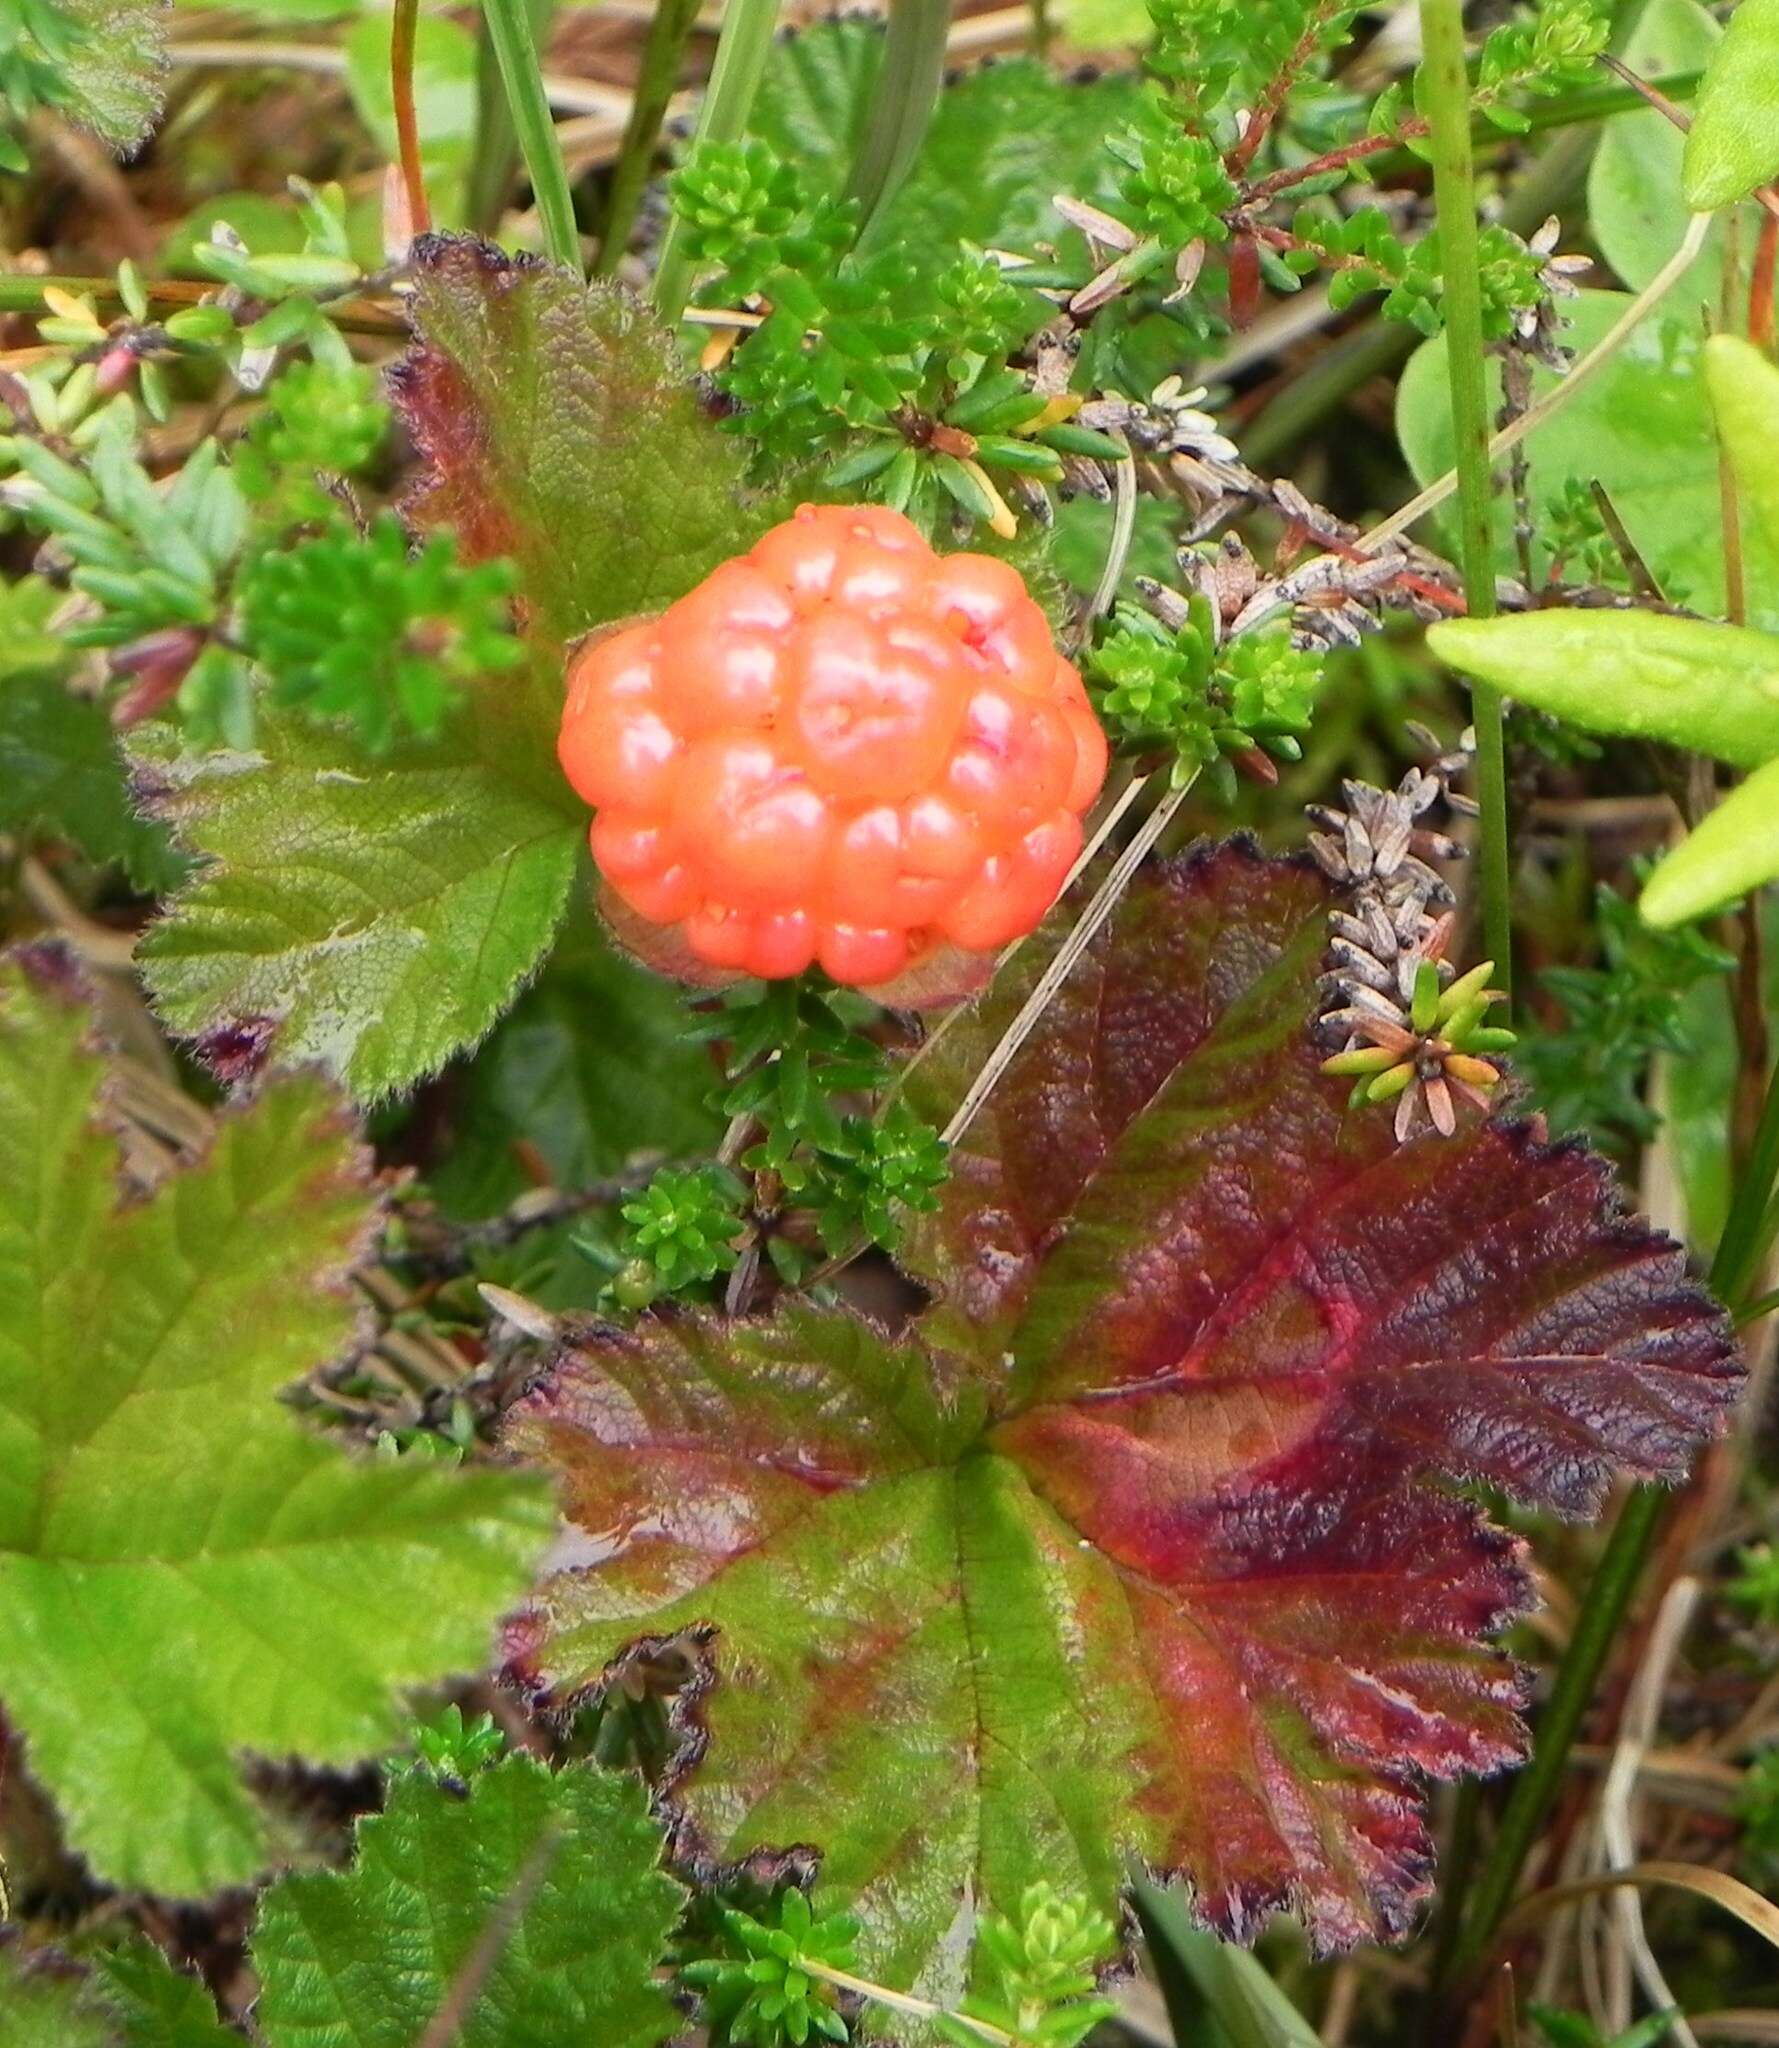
728,100
495,160
902,101
901,2001
670,29
403,25
508,23
1446,92
1736,1267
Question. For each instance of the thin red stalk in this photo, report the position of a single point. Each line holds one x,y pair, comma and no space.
1277,92
1332,160
403,26
1760,283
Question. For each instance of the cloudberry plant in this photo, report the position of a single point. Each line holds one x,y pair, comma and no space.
840,749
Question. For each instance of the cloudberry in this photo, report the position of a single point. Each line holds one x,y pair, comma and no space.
841,748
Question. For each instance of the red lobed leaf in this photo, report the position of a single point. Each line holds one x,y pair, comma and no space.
1142,1541
558,426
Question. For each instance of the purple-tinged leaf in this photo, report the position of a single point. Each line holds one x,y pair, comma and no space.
1142,1542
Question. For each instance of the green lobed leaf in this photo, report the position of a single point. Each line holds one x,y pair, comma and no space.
1003,139
374,913
1641,426
1732,849
113,75
1733,144
61,770
558,429
1641,675
1142,1542
557,1872
156,2005
814,95
1634,205
186,1574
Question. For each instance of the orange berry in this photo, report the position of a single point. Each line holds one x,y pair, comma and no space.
841,747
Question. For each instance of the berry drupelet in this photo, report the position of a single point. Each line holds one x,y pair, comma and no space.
841,749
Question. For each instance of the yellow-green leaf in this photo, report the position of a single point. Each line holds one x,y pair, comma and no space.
1733,145
1641,675
1744,389
1732,850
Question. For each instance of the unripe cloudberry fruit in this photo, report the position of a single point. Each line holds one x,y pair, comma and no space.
841,749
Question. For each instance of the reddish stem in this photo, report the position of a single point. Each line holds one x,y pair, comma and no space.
403,27
1760,283
1335,160
1278,91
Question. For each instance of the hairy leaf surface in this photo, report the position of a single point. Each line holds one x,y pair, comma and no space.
186,1574
156,2005
1143,1540
370,913
113,76
546,1884
559,429
377,913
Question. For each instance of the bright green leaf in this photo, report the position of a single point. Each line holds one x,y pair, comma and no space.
1641,426
156,2005
1733,144
1105,24
1744,389
1731,850
1643,675
376,913
814,93
1634,205
557,1872
187,1574
1003,139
